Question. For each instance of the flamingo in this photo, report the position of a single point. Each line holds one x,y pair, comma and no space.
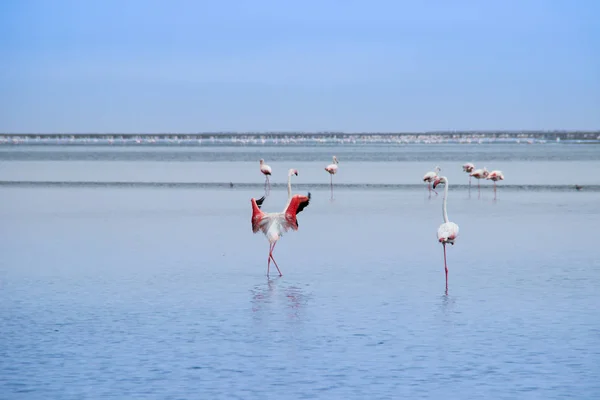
332,169
468,168
266,171
274,225
448,231
479,174
430,177
495,175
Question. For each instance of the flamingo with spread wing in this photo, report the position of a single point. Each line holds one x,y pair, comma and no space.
274,225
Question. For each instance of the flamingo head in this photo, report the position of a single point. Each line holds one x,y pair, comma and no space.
262,161
293,172
438,180
437,168
335,160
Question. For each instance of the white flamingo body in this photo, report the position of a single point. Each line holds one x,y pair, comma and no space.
495,176
274,225
431,175
481,173
332,169
264,168
448,231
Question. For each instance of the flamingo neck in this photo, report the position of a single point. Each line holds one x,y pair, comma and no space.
289,186
444,211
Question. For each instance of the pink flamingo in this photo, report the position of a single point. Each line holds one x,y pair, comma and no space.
448,231
468,168
274,225
430,177
495,176
332,169
266,171
479,174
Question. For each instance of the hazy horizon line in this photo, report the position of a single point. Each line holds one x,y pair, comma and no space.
320,132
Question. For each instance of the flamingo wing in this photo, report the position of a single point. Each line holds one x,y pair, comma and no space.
257,215
296,205
303,203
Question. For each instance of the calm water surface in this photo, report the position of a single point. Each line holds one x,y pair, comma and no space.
162,294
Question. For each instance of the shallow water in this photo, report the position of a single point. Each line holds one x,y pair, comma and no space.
160,293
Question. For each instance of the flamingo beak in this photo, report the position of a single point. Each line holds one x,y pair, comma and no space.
296,173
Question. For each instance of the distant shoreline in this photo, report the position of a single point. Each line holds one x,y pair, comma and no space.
549,135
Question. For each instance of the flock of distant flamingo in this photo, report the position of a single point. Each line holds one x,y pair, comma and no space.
274,225
478,174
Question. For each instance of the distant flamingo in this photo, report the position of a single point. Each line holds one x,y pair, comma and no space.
332,169
266,171
468,168
495,175
430,177
479,174
274,225
448,231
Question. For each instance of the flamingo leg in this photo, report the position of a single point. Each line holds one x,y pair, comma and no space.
445,266
269,258
331,184
274,262
469,186
430,188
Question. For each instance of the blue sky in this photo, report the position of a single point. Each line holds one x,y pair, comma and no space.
378,65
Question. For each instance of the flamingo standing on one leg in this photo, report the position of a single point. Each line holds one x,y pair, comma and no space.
430,177
448,231
468,168
495,175
266,171
274,225
332,169
479,174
